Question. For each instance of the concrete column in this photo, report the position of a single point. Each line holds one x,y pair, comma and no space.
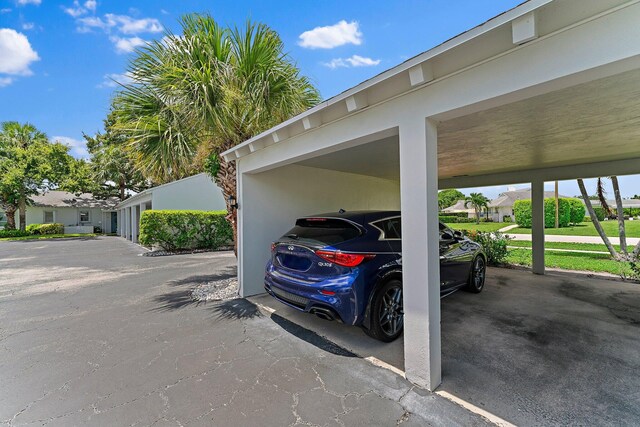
134,224
141,207
127,216
537,227
420,251
123,223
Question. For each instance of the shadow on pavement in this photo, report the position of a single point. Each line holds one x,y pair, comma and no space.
310,336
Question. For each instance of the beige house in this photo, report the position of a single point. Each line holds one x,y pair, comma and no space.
79,214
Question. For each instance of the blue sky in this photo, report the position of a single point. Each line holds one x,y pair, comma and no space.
57,57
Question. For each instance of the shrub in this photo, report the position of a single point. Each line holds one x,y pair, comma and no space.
522,209
13,233
494,245
448,218
578,210
51,229
631,211
173,230
564,212
507,218
600,213
466,220
33,228
522,212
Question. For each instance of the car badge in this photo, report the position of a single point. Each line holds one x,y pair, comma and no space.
290,248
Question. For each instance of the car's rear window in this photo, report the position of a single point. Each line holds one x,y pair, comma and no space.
328,231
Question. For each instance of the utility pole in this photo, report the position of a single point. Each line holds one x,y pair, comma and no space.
557,207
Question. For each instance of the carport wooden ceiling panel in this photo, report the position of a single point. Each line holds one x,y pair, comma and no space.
596,121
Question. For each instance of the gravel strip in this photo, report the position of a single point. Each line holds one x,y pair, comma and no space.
218,290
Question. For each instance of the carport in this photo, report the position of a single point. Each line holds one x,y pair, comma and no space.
546,91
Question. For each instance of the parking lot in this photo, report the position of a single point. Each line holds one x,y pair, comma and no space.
94,333
91,333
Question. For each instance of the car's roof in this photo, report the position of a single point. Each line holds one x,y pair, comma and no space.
357,216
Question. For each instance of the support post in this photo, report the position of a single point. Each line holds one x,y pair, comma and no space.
420,251
537,227
127,216
120,223
134,224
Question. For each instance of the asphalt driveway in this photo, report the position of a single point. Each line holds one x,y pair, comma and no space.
93,334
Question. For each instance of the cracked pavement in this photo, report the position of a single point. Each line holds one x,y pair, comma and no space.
93,334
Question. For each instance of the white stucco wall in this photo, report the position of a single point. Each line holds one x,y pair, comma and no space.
65,216
273,200
194,193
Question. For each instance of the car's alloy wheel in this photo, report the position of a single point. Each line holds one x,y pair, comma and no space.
387,312
392,314
478,274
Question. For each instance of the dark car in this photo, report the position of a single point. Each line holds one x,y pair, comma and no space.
347,266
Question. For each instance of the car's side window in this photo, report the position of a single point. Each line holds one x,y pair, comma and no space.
391,228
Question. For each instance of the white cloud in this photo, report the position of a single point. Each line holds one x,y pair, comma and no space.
354,61
91,5
127,44
28,26
114,80
5,10
331,36
16,53
26,2
121,23
77,148
5,81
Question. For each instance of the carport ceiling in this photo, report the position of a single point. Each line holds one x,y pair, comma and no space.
592,122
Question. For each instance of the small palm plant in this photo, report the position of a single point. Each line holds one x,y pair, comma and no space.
478,201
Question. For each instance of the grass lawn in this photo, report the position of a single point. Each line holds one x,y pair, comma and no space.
587,229
571,261
565,245
483,226
46,236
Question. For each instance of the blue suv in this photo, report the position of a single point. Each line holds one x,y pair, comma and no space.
347,266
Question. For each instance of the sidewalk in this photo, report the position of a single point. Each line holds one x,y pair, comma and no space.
576,239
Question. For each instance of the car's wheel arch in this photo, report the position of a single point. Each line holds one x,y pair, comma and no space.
384,278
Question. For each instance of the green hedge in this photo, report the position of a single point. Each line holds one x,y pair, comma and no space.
173,230
13,233
568,212
600,213
578,210
457,214
450,219
45,229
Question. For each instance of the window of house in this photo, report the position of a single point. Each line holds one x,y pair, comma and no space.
48,217
84,216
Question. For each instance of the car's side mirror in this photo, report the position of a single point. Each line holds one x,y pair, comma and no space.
446,236
458,235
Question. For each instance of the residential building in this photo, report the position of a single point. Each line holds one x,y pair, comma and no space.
78,213
197,192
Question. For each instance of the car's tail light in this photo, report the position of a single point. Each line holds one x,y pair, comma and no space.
344,259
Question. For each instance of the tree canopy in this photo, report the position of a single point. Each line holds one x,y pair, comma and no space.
449,197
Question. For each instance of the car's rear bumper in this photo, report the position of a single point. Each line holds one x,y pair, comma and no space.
306,296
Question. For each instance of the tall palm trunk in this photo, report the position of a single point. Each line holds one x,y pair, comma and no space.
10,212
22,205
226,180
594,219
620,212
122,188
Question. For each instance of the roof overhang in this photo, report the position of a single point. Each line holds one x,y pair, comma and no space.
525,23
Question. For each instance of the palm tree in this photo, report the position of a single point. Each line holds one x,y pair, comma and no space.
200,93
624,254
479,202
